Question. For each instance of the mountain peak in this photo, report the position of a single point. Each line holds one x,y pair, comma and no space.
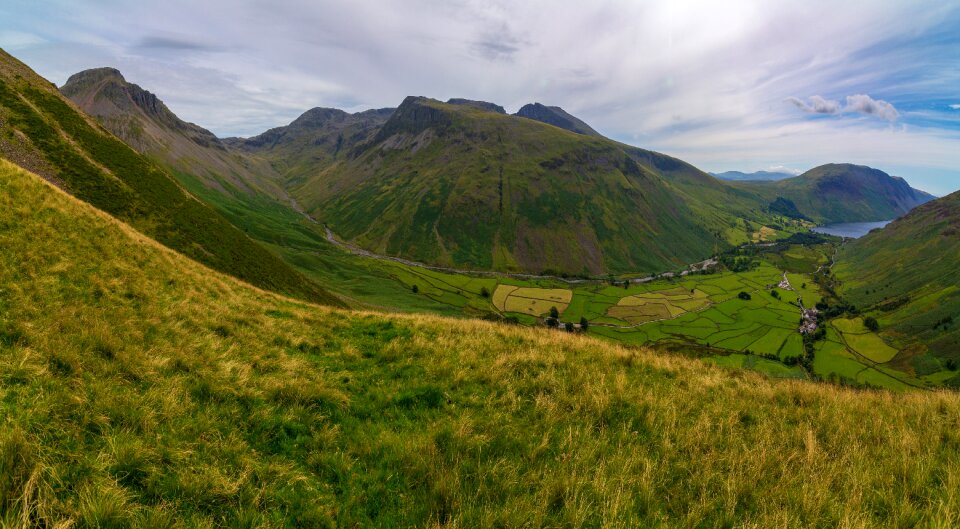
103,92
557,117
482,105
93,75
319,116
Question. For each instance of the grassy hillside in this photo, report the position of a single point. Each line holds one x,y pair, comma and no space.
842,193
140,388
456,185
906,276
40,130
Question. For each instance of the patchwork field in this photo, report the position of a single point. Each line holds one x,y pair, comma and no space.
660,305
531,301
695,310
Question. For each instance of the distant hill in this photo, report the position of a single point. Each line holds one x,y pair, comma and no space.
555,116
756,175
313,141
461,186
41,131
906,275
842,193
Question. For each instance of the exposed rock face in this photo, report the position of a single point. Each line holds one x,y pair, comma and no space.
106,95
482,105
413,116
557,117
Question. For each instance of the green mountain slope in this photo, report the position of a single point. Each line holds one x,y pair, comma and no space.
906,275
843,193
141,389
43,132
460,186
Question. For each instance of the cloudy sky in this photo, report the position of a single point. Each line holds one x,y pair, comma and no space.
738,84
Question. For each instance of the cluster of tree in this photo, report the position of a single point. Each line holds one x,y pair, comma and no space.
943,322
786,207
894,304
744,296
565,275
807,237
825,311
493,316
738,263
553,320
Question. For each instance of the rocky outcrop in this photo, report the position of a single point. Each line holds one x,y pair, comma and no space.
482,105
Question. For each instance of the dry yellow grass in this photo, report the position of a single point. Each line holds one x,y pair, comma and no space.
537,301
500,296
138,388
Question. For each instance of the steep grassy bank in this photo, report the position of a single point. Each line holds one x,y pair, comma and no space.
139,388
906,277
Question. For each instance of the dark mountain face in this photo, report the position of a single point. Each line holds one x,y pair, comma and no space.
557,117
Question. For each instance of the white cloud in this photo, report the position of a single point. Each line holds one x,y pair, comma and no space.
955,107
858,103
816,105
865,104
783,169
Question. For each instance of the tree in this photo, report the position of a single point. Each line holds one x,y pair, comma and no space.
554,313
552,322
568,327
415,289
775,294
871,323
743,295
584,324
484,292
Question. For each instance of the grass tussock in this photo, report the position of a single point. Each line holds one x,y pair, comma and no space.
141,389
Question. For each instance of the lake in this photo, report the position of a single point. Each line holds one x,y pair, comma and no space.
850,229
